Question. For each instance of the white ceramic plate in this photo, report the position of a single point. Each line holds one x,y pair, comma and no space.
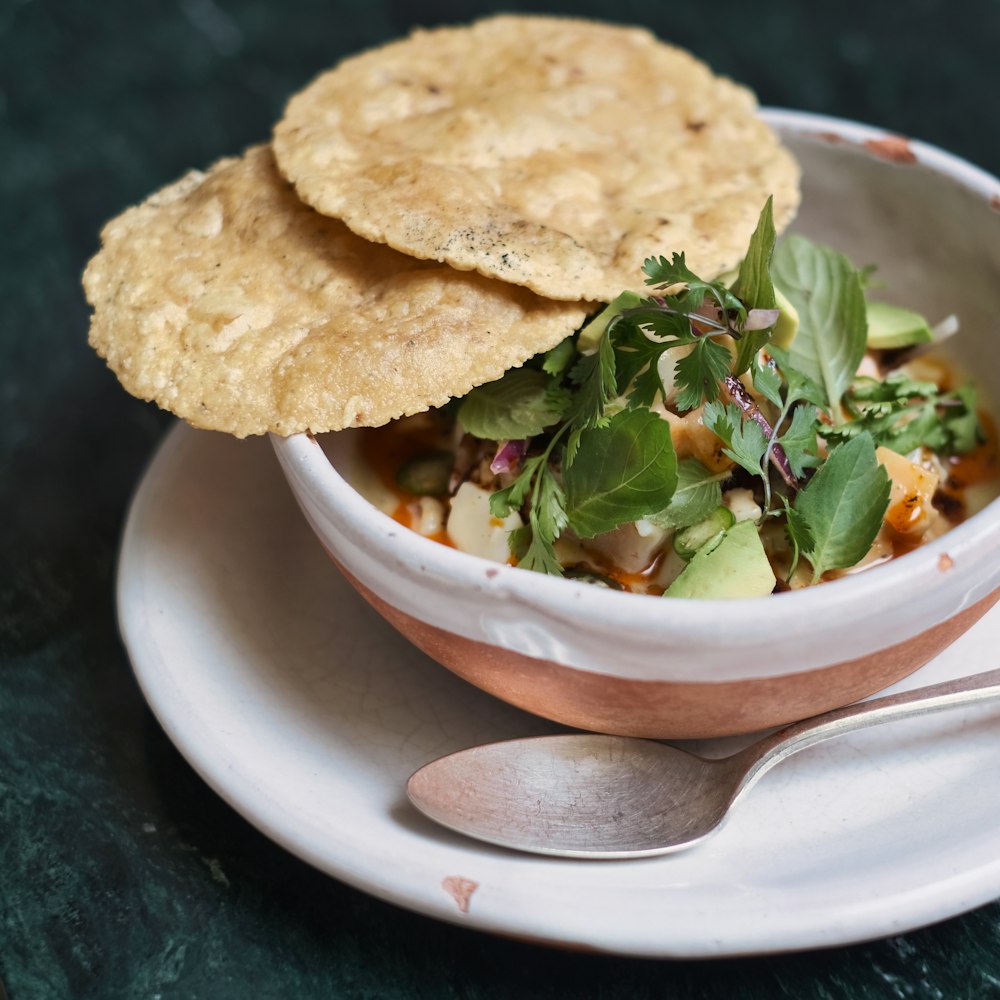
307,713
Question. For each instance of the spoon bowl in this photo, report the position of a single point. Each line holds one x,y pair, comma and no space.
590,796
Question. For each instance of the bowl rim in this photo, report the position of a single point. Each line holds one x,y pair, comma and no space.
969,550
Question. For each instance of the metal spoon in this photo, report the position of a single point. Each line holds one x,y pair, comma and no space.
591,796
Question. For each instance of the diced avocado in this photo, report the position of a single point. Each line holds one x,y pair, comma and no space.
427,474
591,334
736,567
891,327
788,321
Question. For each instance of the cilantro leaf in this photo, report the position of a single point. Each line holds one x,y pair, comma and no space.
622,472
767,381
546,520
671,273
798,442
512,497
754,286
799,386
962,421
595,376
698,375
825,289
745,442
520,405
798,533
537,486
637,356
842,507
558,360
698,493
904,413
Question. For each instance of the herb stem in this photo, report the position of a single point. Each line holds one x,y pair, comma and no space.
692,318
739,395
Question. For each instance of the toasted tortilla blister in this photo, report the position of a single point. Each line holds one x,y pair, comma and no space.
547,152
234,305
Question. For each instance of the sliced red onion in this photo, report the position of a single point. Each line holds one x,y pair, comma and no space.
761,319
508,455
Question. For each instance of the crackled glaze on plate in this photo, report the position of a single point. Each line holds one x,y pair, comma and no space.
307,713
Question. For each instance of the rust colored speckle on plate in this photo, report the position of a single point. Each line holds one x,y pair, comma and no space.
945,562
460,889
995,203
892,147
831,137
490,573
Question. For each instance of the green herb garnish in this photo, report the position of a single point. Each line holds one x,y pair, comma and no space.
797,420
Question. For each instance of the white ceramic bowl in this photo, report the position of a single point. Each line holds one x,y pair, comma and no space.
639,665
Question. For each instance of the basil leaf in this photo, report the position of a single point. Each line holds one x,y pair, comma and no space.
698,493
755,288
842,506
825,289
622,472
799,386
520,405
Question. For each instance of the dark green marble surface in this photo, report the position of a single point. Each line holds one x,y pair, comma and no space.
121,873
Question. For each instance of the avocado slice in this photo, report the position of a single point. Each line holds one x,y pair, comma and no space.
788,321
891,327
592,332
736,567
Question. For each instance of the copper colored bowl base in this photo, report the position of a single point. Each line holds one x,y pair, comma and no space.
671,709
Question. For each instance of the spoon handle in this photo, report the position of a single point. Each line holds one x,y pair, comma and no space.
769,751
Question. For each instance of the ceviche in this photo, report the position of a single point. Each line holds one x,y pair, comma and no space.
764,431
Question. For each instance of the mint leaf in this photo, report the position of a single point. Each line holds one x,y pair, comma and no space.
842,507
825,289
698,493
520,405
622,472
745,442
754,286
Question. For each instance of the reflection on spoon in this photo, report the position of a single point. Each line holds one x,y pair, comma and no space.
591,796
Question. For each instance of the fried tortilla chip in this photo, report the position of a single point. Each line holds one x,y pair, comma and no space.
547,152
232,304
